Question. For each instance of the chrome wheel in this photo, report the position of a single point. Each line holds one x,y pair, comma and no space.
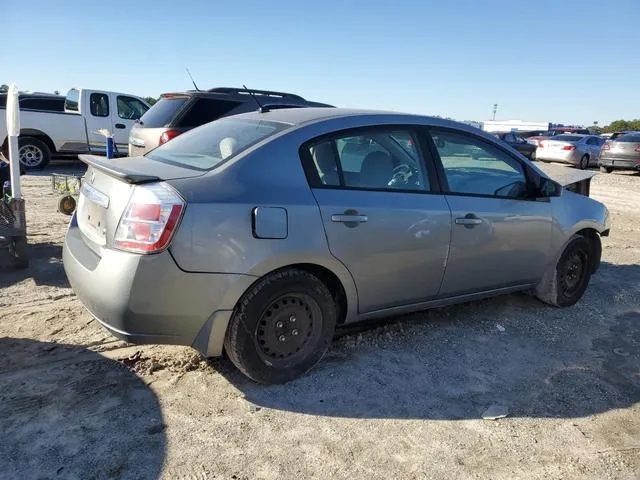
30,156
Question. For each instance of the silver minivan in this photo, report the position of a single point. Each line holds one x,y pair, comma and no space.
259,233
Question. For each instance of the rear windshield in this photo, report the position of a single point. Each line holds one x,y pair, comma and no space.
206,147
204,110
161,114
567,138
630,137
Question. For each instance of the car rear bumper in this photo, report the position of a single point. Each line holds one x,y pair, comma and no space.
619,162
148,299
558,156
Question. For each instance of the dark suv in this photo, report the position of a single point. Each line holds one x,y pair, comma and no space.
176,113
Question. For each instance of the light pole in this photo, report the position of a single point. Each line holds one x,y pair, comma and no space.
495,109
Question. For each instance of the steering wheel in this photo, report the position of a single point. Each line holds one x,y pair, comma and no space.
401,175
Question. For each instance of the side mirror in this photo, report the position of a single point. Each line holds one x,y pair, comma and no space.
549,188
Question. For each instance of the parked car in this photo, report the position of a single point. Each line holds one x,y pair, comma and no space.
581,151
45,134
517,142
176,113
554,132
621,153
37,101
259,233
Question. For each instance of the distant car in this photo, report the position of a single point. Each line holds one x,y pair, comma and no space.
621,153
37,101
260,233
176,113
536,139
518,143
582,151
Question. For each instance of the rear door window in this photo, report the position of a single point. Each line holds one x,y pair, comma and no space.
205,110
99,104
163,112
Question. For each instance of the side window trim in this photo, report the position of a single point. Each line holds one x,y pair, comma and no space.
420,133
442,176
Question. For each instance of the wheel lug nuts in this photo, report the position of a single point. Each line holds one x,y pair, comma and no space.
282,338
292,318
279,324
294,332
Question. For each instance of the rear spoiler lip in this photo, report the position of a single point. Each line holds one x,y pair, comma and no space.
106,166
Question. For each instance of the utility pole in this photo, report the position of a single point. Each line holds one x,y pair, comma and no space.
495,109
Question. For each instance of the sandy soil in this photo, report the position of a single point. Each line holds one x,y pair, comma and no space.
403,399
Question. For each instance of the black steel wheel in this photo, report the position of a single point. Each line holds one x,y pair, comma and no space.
573,272
281,327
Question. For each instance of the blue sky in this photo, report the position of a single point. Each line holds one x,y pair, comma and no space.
559,61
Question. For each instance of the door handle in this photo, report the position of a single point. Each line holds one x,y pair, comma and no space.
469,220
349,218
121,126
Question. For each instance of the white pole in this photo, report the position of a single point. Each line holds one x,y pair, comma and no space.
13,130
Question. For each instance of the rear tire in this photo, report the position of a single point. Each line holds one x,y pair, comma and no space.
566,283
604,169
584,162
281,327
33,153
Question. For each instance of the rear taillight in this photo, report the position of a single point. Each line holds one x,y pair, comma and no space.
540,145
637,149
150,219
168,135
569,147
606,146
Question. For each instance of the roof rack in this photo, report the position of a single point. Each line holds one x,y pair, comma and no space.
267,93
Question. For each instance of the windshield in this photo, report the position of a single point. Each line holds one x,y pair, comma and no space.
207,146
630,137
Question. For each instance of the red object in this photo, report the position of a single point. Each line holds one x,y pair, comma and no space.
606,146
569,147
150,219
168,135
637,149
540,145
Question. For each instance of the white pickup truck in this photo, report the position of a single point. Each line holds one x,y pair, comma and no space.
47,134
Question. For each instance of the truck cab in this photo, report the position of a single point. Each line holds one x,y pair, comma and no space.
115,112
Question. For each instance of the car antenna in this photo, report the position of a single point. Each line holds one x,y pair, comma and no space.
260,107
192,80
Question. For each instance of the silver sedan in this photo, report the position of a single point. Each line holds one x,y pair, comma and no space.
258,234
582,151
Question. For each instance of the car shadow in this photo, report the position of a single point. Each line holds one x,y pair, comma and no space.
71,413
45,266
455,362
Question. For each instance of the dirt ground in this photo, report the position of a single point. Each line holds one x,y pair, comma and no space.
402,400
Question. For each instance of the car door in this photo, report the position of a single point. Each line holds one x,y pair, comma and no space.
97,117
383,217
123,117
500,235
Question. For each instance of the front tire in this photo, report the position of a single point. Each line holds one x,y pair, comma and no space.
566,283
33,153
281,327
605,169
